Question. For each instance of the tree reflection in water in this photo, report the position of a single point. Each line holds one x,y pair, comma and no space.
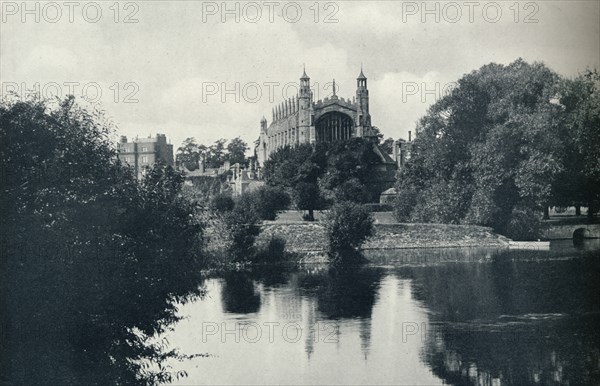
238,294
510,322
343,293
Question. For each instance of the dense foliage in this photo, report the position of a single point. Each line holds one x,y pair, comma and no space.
243,225
347,225
326,173
492,152
579,182
190,153
268,201
93,262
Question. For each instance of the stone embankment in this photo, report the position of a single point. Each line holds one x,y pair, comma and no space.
308,237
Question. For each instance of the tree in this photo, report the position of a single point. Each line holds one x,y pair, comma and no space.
109,256
299,170
243,225
308,197
579,182
215,155
348,226
268,201
188,154
349,167
490,147
388,146
236,151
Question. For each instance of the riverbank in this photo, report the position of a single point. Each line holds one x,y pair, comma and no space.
309,237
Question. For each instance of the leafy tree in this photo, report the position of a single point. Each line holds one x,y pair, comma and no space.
268,201
243,225
89,255
188,154
388,145
348,226
299,170
579,182
236,151
215,155
490,146
308,197
348,166
336,171
351,190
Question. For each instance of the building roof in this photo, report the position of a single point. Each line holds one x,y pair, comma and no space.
304,76
361,75
383,156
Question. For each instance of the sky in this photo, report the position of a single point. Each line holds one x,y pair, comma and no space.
211,70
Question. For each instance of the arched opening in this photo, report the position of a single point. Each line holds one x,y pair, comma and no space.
334,126
579,236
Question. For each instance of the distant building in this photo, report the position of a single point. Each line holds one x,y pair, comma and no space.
402,150
145,152
302,120
242,181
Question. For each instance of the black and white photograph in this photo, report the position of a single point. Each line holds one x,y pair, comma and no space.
309,192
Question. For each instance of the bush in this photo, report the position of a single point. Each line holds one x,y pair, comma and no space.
273,251
222,202
524,224
242,223
347,226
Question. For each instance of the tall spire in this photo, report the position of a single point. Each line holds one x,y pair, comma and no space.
361,75
304,76
334,87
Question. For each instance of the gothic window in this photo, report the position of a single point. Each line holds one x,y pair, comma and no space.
334,126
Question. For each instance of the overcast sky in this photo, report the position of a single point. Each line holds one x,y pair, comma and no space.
175,60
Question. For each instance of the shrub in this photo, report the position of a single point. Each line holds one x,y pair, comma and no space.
524,224
347,226
222,202
273,251
243,225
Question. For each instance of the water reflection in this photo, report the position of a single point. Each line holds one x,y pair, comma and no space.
468,318
238,294
513,322
348,293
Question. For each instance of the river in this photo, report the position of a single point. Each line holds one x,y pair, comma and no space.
459,317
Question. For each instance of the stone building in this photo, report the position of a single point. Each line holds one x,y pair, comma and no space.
302,120
402,150
145,152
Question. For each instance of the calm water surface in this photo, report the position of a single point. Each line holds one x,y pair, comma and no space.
460,317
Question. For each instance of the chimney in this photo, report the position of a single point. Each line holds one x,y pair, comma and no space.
395,152
409,136
123,139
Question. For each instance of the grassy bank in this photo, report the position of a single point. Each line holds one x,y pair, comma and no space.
303,237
